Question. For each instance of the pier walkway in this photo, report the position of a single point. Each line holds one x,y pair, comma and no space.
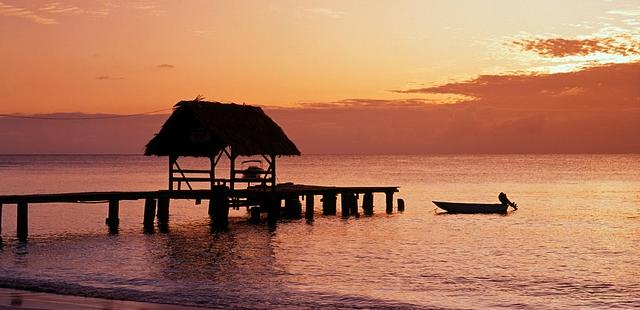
256,199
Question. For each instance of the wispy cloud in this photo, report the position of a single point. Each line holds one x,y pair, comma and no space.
561,47
326,12
10,10
166,66
108,78
61,8
632,12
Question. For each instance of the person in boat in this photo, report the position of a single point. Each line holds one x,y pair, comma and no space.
504,200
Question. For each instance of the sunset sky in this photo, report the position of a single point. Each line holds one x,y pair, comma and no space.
122,57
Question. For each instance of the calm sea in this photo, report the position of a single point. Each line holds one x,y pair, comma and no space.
574,242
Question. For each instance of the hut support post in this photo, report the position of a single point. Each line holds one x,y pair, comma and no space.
389,202
212,173
273,171
163,210
149,212
329,204
309,206
0,222
172,161
367,203
22,221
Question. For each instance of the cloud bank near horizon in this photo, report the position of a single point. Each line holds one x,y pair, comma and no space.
596,110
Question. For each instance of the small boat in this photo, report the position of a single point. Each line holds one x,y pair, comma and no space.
468,208
461,207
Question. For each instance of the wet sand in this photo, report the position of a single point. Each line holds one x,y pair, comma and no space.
19,299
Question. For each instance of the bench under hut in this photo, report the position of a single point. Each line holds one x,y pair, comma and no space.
212,130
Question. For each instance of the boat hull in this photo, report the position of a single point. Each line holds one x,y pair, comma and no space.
470,208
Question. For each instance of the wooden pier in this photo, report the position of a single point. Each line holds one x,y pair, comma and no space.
217,131
221,199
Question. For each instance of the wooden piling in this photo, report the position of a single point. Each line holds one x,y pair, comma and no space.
345,204
211,211
113,218
353,204
0,221
389,202
308,212
163,209
149,211
254,215
273,209
329,203
367,203
292,207
400,205
221,208
22,221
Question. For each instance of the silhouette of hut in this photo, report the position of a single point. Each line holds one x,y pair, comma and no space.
212,130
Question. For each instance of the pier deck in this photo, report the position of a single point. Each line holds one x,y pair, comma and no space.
256,199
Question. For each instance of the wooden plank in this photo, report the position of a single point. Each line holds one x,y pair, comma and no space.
191,179
191,171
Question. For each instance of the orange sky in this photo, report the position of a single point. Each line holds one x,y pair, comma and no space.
134,56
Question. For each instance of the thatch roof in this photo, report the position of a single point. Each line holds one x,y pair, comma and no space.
201,129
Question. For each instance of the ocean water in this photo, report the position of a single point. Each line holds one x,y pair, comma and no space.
574,241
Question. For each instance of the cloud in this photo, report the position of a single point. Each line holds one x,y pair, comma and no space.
632,12
166,66
108,78
60,8
560,47
326,12
369,103
600,87
10,10
596,110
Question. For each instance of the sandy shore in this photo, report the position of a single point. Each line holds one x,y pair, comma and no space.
19,299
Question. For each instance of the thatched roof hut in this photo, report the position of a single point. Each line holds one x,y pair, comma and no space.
203,129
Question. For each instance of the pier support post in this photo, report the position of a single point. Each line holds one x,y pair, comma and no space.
329,204
163,210
211,208
273,209
345,204
353,204
308,211
22,226
149,213
220,201
113,219
389,202
367,203
0,223
292,207
400,205
254,215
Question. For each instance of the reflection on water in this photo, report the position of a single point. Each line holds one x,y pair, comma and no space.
574,241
